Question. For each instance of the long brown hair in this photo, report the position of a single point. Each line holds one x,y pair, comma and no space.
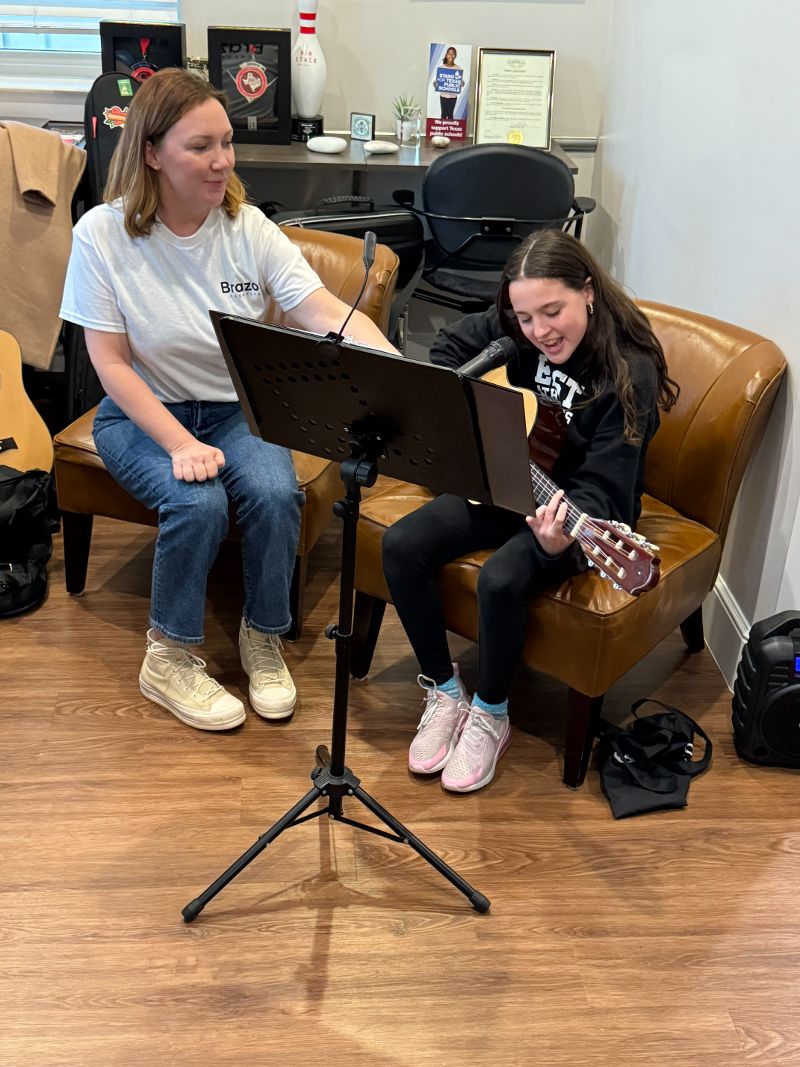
615,328
161,101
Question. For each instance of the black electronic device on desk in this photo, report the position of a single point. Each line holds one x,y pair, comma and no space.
766,694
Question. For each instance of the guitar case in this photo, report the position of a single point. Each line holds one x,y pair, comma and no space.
104,115
84,390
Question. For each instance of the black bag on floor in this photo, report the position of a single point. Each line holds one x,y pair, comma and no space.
25,541
104,115
649,766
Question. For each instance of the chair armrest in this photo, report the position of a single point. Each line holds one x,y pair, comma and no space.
584,203
403,197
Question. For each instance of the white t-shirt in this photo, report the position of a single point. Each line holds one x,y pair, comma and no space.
158,290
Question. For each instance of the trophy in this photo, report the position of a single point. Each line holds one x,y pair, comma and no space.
309,71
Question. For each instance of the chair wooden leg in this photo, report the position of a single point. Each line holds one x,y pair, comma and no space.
77,529
692,630
297,598
367,619
583,718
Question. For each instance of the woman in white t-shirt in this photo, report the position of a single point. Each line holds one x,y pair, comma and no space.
173,239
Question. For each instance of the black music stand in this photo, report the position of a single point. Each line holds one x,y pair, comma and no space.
360,406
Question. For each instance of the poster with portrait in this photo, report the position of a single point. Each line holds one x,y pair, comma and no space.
449,67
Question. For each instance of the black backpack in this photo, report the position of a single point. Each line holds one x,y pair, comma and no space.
104,116
105,112
25,541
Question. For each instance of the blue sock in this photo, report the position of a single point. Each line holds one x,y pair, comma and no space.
498,710
451,688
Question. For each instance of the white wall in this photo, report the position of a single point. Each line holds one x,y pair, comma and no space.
696,105
378,48
696,175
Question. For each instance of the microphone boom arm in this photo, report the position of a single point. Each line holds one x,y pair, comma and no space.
370,241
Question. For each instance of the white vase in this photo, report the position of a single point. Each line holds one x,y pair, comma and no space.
309,69
408,129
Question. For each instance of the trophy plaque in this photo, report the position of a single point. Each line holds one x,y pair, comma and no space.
251,66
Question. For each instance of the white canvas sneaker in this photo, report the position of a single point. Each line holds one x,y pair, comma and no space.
175,678
272,691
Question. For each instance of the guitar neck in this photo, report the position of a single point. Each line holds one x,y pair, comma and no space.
543,490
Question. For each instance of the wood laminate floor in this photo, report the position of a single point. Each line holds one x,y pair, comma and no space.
667,939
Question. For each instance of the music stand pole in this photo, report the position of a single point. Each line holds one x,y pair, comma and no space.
332,780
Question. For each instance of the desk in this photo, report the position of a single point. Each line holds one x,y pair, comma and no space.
415,158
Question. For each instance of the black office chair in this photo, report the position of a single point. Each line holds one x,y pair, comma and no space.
479,202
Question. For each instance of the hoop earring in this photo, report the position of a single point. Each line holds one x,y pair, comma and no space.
590,308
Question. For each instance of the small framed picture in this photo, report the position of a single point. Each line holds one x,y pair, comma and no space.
362,127
252,67
514,96
139,49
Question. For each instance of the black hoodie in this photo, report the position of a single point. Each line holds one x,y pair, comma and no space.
601,472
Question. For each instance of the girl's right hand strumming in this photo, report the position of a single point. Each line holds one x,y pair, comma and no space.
193,461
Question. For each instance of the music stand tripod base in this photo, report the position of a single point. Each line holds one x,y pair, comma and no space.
332,780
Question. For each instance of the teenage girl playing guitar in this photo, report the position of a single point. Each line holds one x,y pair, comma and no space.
585,347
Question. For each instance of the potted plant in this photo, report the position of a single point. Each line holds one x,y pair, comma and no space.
407,114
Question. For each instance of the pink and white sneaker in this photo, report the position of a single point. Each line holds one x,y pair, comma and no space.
484,738
438,728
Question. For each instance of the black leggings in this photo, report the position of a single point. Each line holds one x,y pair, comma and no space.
418,545
448,106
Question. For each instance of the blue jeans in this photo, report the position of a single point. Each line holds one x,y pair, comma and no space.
258,479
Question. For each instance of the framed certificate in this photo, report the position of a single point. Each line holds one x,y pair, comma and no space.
514,96
251,66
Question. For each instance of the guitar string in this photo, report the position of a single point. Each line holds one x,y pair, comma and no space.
542,482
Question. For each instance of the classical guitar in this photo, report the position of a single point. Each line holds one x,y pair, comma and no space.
25,441
624,557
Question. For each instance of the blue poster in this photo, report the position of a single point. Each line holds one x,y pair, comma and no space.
448,80
448,96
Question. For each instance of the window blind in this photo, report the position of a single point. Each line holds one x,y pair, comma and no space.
58,16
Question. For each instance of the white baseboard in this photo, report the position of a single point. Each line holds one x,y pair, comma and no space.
726,629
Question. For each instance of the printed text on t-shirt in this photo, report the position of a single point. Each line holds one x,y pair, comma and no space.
552,382
240,287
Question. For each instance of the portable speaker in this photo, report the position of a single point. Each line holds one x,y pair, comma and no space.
766,694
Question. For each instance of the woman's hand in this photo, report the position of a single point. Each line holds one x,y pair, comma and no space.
548,525
193,461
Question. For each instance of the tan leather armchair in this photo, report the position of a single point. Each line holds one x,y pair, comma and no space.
85,488
729,378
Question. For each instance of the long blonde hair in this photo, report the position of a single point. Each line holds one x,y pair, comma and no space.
161,101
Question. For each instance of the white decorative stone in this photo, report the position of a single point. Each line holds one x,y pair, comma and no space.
329,145
381,147
440,141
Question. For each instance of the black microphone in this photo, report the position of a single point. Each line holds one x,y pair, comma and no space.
370,243
368,257
496,354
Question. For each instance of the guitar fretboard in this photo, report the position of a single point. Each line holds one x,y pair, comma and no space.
543,490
